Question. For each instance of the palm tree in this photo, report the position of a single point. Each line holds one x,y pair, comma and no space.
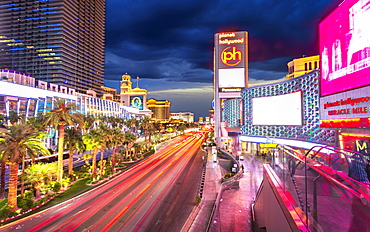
15,143
59,117
117,138
74,143
93,144
88,124
39,175
130,139
13,117
131,124
136,147
148,128
105,142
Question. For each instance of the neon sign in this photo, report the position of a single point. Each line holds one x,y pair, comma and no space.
230,56
346,109
229,41
231,64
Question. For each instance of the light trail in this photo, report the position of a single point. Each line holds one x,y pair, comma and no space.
128,197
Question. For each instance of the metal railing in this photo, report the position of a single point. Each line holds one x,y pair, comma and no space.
328,184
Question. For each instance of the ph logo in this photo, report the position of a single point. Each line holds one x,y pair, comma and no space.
230,56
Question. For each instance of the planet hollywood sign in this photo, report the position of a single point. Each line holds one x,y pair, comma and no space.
346,102
232,49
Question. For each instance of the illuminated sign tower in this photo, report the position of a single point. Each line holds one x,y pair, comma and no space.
60,42
230,70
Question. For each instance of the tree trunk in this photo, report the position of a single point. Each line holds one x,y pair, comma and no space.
70,163
94,165
60,153
113,159
13,186
2,182
101,160
22,180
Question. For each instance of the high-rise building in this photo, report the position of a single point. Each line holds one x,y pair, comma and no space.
58,41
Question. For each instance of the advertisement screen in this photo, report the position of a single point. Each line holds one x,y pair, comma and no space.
345,47
278,110
231,78
136,102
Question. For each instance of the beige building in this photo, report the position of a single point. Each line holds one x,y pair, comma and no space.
160,109
184,116
134,97
298,67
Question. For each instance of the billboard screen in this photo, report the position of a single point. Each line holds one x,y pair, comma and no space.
279,110
345,47
136,102
231,59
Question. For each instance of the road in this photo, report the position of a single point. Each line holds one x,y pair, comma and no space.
127,202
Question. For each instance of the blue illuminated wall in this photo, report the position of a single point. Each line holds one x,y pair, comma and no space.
231,112
310,130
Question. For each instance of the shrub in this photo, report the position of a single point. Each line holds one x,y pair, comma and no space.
55,186
24,203
228,175
6,212
28,194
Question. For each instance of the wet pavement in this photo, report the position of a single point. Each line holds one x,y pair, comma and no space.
230,202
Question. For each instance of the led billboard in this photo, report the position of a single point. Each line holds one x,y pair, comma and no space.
231,59
345,47
136,102
279,110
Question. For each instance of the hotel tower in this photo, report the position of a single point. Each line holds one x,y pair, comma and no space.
58,41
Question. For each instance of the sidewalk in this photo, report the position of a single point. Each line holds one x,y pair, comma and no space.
212,185
231,203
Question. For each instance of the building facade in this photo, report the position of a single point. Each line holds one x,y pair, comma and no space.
61,42
134,98
300,66
160,109
25,96
184,116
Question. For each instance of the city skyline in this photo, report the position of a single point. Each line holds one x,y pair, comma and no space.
169,45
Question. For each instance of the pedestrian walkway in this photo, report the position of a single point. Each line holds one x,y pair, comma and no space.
233,212
228,203
212,185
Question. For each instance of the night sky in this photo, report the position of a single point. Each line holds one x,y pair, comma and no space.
168,44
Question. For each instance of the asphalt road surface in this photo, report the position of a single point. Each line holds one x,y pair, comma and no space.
133,200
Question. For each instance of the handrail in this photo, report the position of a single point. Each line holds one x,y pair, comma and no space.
356,162
352,185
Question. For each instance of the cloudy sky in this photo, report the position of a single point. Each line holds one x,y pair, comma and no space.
169,43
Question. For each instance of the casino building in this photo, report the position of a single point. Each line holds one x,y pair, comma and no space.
27,97
160,109
60,42
327,107
135,98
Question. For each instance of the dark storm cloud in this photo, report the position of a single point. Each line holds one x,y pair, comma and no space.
173,40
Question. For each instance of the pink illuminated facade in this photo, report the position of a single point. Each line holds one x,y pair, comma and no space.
345,47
